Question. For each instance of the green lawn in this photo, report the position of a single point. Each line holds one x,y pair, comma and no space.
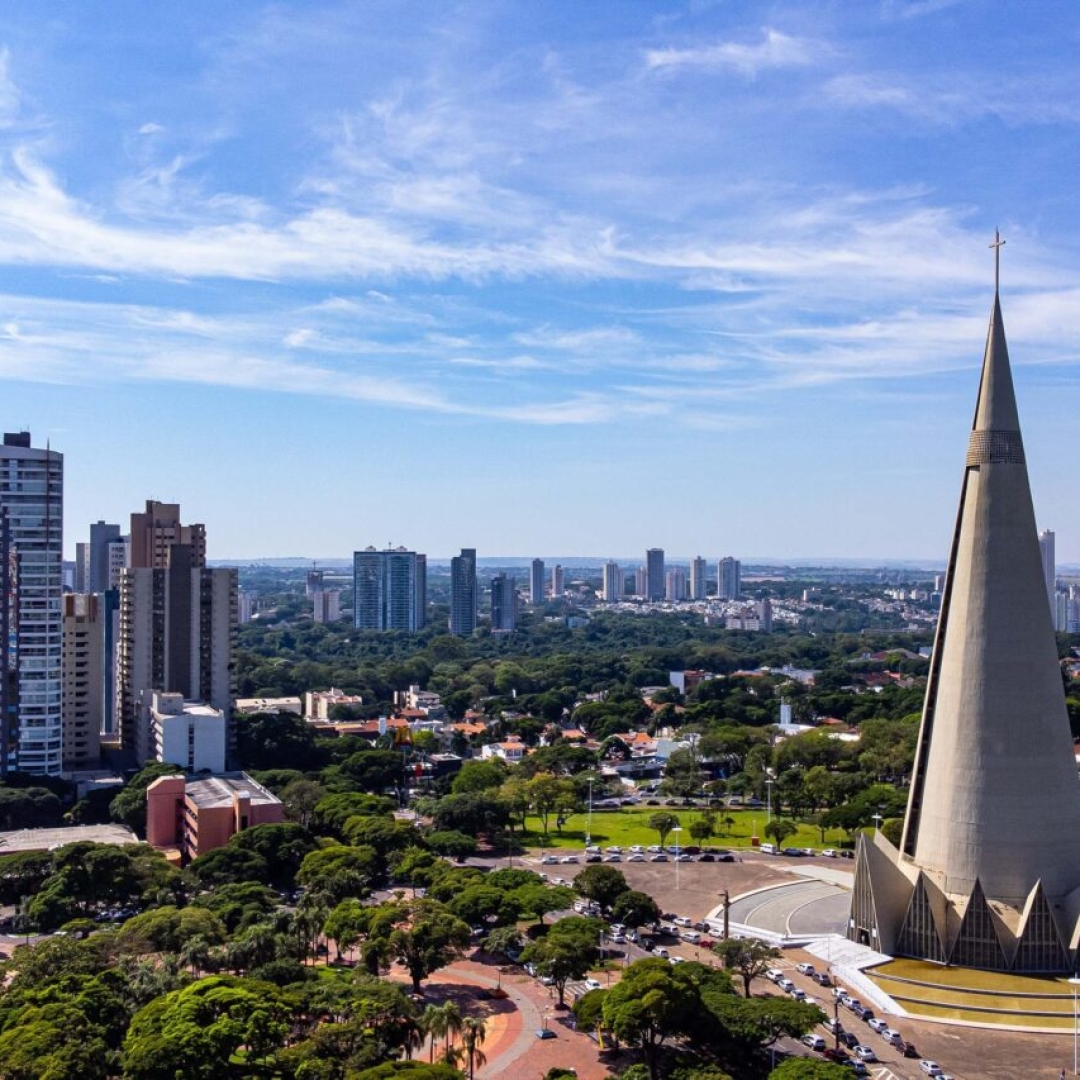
630,826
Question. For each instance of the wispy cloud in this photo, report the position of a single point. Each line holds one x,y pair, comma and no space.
774,50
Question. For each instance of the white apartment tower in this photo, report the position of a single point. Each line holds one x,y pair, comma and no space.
614,583
558,582
675,585
32,496
1049,567
729,575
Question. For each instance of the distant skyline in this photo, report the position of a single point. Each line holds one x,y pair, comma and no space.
533,277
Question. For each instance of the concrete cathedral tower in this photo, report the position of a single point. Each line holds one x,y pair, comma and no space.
988,873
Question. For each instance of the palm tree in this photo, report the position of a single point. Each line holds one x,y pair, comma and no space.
196,954
453,1022
473,1033
433,1022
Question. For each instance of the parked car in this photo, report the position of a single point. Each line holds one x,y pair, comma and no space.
707,857
594,858
774,974
865,1053
893,1036
863,1013
805,969
613,858
793,852
785,984
849,1039
660,857
841,1057
815,1042
692,937
833,1027
829,853
636,857
594,984
909,1051
549,860
878,1025
821,978
683,920
661,952
931,1068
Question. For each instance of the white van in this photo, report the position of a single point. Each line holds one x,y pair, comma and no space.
768,849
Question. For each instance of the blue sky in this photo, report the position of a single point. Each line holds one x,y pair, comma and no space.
538,278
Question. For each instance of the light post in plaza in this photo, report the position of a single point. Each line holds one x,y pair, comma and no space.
1074,982
676,831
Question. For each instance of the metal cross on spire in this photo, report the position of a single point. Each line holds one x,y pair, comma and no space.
997,246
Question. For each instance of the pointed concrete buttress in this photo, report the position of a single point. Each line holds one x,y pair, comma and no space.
995,795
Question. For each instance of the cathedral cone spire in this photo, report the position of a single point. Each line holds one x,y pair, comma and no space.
994,806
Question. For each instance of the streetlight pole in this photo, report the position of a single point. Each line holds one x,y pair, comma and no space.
1074,982
676,831
588,827
768,800
877,822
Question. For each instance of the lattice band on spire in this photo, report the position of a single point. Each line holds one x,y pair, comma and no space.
995,448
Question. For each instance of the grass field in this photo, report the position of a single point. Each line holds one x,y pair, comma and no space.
630,826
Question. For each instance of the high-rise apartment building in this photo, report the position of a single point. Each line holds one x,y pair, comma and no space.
84,688
536,582
327,606
463,593
675,585
654,574
102,535
32,494
9,644
178,623
1049,568
698,572
81,583
613,584
314,583
503,603
641,581
729,578
157,531
389,590
558,582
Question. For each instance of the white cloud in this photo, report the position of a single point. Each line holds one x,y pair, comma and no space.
775,50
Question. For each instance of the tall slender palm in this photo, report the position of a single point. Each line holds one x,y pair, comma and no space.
196,953
473,1033
453,1021
434,1023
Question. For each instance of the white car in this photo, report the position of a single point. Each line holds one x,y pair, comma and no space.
613,857
636,857
805,969
654,849
661,952
774,974
676,960
618,938
594,984
815,1042
865,1053
893,1036
797,994
830,853
615,849
568,859
931,1068
659,857
683,920
636,849
785,984
877,1025
548,860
